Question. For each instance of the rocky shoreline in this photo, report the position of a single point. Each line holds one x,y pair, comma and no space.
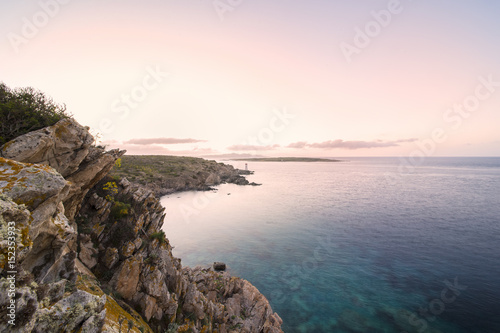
164,175
90,253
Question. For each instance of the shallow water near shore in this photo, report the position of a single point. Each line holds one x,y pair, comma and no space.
356,246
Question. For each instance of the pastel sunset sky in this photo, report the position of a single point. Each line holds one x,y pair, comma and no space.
324,78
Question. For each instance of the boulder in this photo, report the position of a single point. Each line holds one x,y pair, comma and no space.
219,266
63,146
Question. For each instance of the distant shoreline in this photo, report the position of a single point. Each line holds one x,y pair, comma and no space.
286,159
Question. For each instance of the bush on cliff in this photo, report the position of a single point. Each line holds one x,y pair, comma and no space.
23,110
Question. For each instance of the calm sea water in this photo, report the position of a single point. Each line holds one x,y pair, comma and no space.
357,246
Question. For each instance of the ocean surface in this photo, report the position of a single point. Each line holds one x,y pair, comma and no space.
365,245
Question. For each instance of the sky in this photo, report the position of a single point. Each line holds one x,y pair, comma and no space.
322,78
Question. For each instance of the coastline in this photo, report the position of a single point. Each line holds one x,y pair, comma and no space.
92,256
164,175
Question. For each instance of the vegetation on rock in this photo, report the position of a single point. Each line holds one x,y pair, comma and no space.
168,174
92,254
24,110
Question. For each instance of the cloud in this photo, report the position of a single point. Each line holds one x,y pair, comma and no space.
406,140
350,145
161,141
300,144
252,148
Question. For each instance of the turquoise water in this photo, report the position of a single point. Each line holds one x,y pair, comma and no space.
357,246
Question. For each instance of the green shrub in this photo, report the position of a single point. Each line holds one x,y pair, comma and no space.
152,259
120,209
24,110
159,236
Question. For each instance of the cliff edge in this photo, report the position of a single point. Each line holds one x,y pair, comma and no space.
83,252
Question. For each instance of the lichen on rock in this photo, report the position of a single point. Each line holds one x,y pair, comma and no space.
86,266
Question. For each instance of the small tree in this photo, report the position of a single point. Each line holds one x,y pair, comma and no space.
24,110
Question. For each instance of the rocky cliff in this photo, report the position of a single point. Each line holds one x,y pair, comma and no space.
89,252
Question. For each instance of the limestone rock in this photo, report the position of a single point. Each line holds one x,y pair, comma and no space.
194,302
126,278
242,304
66,147
63,146
88,174
70,313
128,249
111,257
87,253
60,292
13,215
41,189
27,306
30,184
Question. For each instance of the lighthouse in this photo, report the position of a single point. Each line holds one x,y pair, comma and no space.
246,166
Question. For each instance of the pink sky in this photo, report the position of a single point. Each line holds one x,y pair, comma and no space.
230,81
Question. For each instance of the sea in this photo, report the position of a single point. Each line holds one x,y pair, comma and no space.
362,245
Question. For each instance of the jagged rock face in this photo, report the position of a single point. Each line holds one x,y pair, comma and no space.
66,147
89,173
63,146
140,266
11,214
45,306
41,189
114,242
245,308
32,199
